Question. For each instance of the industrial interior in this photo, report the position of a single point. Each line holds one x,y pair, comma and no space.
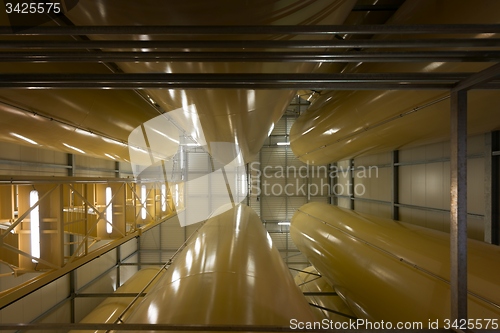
266,165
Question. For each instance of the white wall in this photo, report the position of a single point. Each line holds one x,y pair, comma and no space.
424,184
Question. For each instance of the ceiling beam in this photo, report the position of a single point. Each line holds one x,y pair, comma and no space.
343,81
249,44
352,56
253,30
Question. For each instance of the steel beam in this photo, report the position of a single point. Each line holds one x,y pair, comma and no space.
245,56
251,30
318,81
395,185
249,44
159,327
491,185
458,207
477,79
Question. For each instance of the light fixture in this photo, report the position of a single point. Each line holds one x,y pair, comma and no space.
283,223
163,197
35,226
74,148
176,195
143,201
283,143
112,157
19,136
109,210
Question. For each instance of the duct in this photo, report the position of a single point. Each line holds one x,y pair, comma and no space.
232,274
372,122
229,115
393,271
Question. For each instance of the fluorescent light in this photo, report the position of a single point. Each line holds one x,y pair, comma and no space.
143,201
84,132
110,156
35,226
176,195
163,197
24,138
74,148
283,223
109,210
283,143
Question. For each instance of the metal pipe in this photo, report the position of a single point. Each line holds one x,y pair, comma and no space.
252,30
251,44
350,56
351,81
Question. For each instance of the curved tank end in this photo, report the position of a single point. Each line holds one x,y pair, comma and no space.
231,273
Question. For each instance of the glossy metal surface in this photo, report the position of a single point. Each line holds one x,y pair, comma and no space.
309,281
109,310
393,271
229,274
346,124
231,115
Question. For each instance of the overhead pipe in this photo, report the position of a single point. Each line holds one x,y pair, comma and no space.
254,30
319,57
250,44
341,125
390,270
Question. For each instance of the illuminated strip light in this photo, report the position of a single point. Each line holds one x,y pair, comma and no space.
74,148
163,197
283,143
283,223
143,202
112,157
109,210
35,226
19,136
176,195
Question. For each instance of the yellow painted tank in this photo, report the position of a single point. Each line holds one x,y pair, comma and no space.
231,273
226,115
110,309
393,271
309,280
346,124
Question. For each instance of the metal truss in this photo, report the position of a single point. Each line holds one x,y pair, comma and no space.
74,225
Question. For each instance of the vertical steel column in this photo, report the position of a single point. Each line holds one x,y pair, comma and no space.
491,193
260,196
71,165
458,208
334,180
118,265
395,185
117,169
139,261
351,183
